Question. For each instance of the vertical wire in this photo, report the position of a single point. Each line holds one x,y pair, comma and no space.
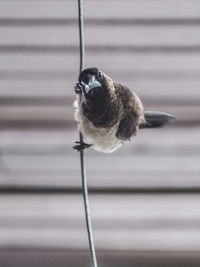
81,35
82,160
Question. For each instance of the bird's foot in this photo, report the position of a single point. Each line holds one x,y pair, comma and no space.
78,88
81,146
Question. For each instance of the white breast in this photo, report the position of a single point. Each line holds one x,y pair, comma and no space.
102,139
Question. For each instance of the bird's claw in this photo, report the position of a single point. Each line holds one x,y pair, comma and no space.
81,146
78,88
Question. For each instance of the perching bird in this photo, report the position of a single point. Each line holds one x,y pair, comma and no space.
109,113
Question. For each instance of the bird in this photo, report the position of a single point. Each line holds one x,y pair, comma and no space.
109,113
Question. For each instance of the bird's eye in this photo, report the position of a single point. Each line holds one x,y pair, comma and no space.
100,74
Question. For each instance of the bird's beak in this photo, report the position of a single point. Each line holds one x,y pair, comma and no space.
92,83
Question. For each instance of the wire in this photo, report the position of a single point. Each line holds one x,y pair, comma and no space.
82,159
81,34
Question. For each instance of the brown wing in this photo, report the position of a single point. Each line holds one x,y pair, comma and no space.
132,115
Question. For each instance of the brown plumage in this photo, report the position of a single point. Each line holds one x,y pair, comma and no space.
109,113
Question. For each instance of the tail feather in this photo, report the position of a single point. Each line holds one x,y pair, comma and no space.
156,119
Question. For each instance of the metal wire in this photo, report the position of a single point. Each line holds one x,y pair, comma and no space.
82,160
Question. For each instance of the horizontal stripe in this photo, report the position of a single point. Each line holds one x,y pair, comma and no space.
164,49
59,22
62,190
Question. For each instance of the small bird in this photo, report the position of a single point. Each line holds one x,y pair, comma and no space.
109,113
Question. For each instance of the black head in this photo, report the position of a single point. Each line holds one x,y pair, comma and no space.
92,81
100,105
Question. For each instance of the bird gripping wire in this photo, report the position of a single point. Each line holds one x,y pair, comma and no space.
82,160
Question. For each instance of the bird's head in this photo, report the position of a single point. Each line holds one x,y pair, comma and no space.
100,104
94,83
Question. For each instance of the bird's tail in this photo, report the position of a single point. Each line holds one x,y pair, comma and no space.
156,119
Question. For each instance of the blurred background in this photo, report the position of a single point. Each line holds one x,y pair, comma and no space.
144,198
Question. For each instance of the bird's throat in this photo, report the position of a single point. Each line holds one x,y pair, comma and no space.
103,112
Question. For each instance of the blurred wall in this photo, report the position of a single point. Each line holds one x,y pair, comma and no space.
145,197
